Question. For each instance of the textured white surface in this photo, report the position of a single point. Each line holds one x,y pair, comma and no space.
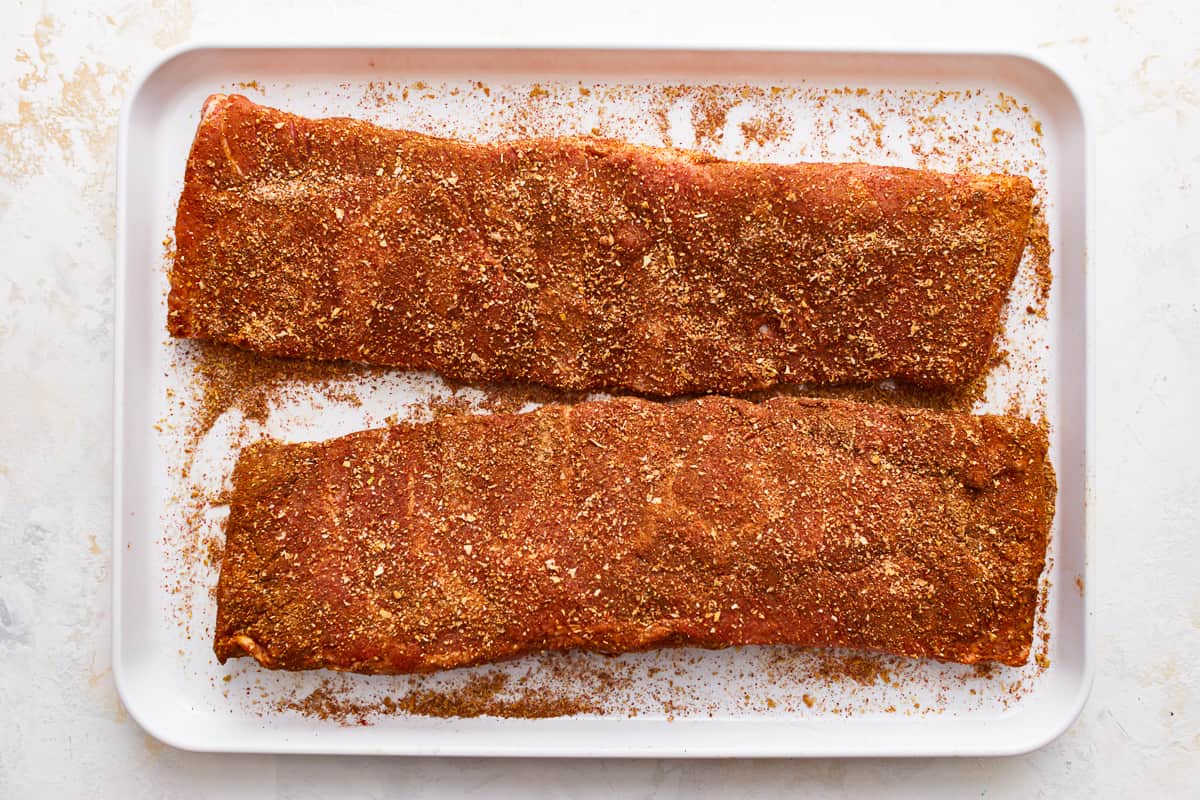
63,69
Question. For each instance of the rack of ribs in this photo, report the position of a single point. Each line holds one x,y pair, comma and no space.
585,263
622,525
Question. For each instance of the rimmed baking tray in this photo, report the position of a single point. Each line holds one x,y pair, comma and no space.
942,110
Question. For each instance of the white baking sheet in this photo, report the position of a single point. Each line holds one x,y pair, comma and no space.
943,111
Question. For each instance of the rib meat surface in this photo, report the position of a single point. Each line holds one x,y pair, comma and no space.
622,525
585,263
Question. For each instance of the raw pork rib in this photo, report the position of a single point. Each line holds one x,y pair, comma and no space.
585,263
625,524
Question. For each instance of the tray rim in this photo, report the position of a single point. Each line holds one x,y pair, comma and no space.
1048,733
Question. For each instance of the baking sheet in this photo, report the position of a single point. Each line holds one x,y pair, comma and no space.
941,111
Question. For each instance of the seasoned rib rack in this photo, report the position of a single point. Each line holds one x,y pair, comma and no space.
622,525
585,263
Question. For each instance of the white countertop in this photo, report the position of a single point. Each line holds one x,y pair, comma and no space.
64,71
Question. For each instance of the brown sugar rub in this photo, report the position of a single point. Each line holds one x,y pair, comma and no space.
585,263
622,525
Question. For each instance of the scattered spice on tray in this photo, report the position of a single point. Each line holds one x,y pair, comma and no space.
939,135
493,694
766,129
228,379
1038,249
862,669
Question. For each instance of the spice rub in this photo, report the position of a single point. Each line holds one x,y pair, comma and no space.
626,524
585,263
